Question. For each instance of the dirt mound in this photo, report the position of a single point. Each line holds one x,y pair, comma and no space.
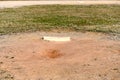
87,56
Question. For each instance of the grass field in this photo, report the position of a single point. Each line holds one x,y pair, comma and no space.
95,18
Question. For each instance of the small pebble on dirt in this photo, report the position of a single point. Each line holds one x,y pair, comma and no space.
1,62
115,69
11,57
95,59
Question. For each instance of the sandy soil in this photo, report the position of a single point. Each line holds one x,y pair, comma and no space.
11,4
88,56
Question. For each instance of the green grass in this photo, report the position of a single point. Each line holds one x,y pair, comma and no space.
95,18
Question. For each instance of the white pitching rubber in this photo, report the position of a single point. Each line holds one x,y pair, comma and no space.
56,38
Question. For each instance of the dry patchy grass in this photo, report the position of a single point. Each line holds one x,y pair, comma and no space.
95,18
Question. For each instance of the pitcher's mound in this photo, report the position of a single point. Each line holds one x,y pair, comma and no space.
88,56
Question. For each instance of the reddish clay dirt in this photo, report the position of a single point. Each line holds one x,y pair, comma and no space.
52,53
88,56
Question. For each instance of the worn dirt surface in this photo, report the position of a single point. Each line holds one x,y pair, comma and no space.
12,4
88,56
